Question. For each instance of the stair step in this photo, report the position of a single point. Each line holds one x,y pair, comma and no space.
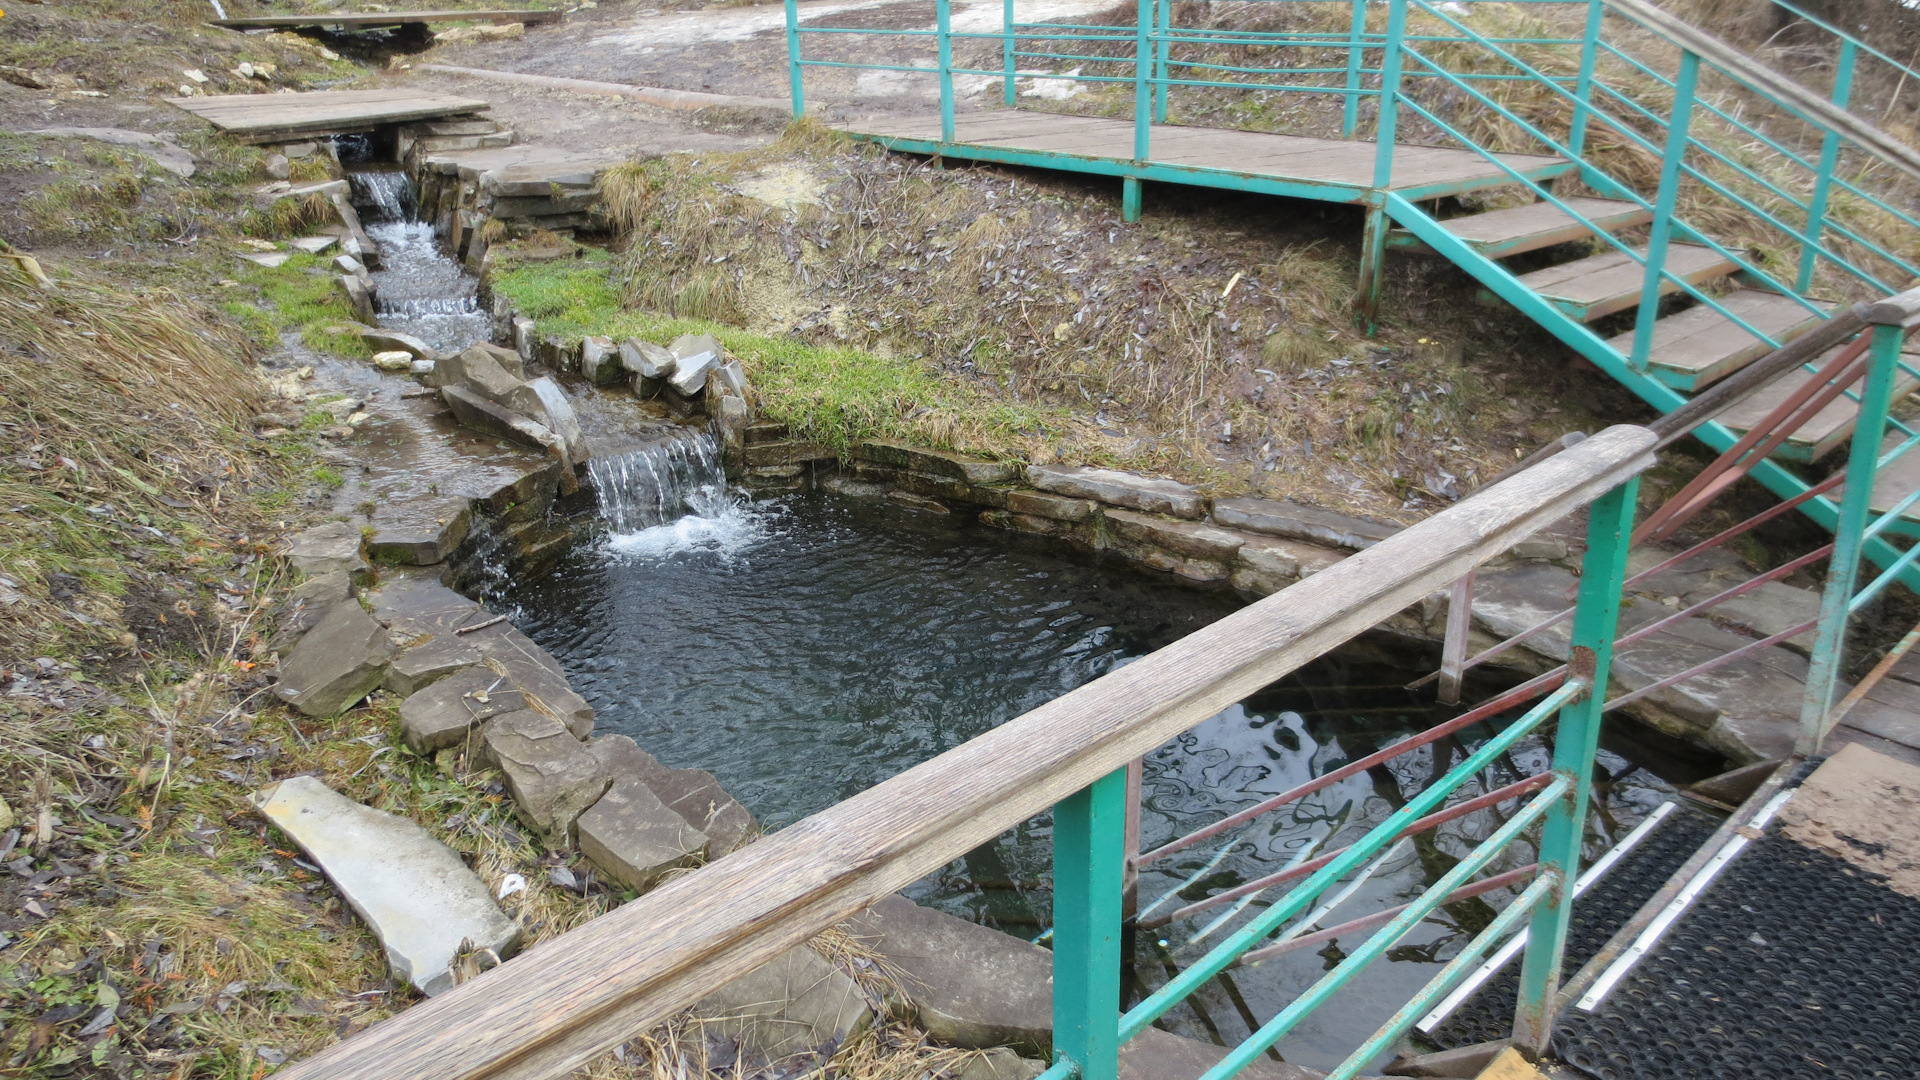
1700,346
1599,285
1826,429
1500,233
1896,481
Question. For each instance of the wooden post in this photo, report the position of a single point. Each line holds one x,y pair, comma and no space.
1453,653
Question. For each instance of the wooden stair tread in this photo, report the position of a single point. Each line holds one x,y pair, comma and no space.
1600,285
1499,233
1699,346
1896,481
1826,429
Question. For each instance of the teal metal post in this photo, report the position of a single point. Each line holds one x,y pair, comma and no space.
1162,21
793,59
1595,621
1661,236
1843,567
1142,107
1583,87
1373,241
943,17
1008,46
1356,34
1089,861
1829,160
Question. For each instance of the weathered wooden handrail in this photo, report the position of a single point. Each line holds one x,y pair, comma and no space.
564,1002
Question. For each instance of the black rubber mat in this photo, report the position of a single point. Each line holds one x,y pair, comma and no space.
1793,964
1597,915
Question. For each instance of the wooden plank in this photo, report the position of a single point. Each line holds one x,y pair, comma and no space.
1700,346
269,117
1498,234
391,18
1825,430
549,1011
1602,284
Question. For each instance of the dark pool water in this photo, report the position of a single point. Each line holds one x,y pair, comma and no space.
807,649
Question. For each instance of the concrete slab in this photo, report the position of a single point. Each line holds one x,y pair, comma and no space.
415,894
1863,807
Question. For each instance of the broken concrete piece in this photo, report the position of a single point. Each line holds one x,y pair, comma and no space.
337,663
967,984
630,834
1119,489
412,891
329,546
393,340
794,1004
441,714
1290,519
551,775
693,356
425,664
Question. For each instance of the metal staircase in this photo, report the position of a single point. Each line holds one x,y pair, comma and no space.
1664,204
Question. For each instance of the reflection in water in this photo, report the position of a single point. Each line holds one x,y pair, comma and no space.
827,644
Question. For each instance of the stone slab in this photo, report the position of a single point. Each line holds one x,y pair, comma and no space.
1189,538
1041,504
937,462
794,1004
1281,517
329,546
967,984
337,663
384,340
552,777
421,666
697,797
1117,488
443,713
630,834
305,606
418,531
476,412
1266,564
415,894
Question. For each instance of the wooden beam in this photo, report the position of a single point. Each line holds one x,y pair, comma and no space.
276,117
551,1010
391,18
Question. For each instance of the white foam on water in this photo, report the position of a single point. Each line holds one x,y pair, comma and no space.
673,498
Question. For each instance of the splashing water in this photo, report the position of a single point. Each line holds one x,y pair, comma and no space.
386,196
672,497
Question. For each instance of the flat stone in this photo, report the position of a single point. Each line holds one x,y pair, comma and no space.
1281,517
1041,504
967,984
1769,608
1117,488
1161,1055
1000,1063
600,361
272,260
534,673
630,834
416,606
443,713
1187,538
794,1004
329,546
694,355
937,462
412,891
337,663
1266,564
552,777
394,340
305,606
695,795
176,160
787,453
1080,534
646,360
476,412
313,245
419,531
421,666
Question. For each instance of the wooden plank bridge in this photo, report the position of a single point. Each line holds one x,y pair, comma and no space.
267,118
362,20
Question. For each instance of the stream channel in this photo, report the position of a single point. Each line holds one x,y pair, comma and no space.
805,648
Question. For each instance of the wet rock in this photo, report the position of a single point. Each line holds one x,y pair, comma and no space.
794,1004
472,410
523,337
693,356
329,546
630,834
1041,504
967,984
352,267
543,400
535,674
551,775
1119,489
1266,564
1290,519
359,297
421,666
394,340
1187,548
418,531
393,360
338,662
600,361
412,891
935,462
442,714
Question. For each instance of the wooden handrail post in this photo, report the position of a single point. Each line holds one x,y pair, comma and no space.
1453,651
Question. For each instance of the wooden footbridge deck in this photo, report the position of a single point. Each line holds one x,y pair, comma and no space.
267,118
360,20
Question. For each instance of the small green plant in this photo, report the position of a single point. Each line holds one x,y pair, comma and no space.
328,476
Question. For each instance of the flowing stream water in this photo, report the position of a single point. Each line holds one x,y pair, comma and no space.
807,648
418,289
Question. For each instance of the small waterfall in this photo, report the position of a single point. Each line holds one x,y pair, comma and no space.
671,497
385,196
